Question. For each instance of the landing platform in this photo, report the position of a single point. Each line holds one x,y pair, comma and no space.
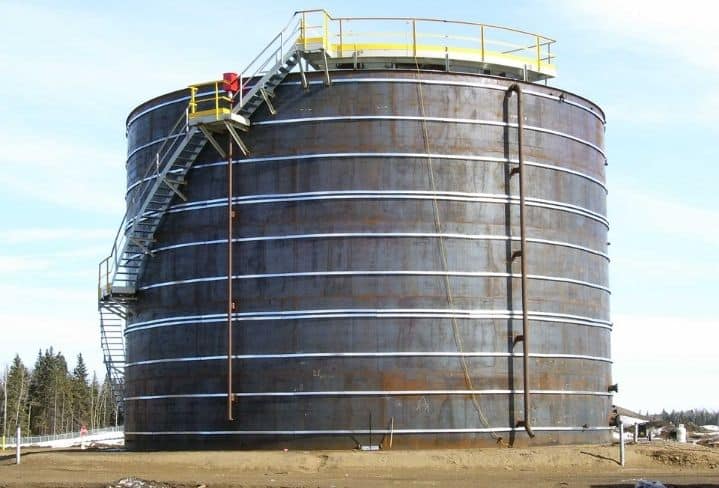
217,118
422,43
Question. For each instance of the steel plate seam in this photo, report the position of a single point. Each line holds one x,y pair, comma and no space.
388,354
368,313
468,430
341,235
351,393
494,123
303,274
369,195
450,157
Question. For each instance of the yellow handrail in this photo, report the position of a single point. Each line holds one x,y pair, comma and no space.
218,100
490,43
317,30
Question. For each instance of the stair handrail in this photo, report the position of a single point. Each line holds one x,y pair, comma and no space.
282,43
108,268
273,52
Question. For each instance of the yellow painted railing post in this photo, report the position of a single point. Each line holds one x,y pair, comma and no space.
539,55
340,38
414,38
193,99
325,31
217,101
481,40
303,30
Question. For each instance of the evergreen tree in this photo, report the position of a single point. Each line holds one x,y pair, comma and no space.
51,394
40,394
18,384
80,392
108,406
51,400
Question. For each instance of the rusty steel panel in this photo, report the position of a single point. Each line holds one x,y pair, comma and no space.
351,322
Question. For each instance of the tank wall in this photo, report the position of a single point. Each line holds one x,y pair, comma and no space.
340,281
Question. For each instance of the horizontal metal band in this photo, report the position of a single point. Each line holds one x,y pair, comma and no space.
406,194
526,91
345,393
449,157
381,195
334,355
367,313
493,123
322,274
343,235
378,431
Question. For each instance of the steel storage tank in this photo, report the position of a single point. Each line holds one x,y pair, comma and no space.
376,273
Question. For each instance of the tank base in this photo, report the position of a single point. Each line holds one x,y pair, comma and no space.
343,442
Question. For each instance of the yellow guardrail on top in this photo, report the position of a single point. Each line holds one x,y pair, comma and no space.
215,104
346,37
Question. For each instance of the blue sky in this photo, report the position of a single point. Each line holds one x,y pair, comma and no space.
71,71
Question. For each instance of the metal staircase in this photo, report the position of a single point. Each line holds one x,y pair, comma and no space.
112,323
120,272
264,89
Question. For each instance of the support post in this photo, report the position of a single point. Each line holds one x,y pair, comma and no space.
636,433
266,97
4,416
539,55
303,77
211,139
481,32
328,80
236,137
621,442
303,31
18,438
341,40
325,31
414,38
391,432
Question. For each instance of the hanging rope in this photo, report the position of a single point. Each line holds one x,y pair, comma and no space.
443,253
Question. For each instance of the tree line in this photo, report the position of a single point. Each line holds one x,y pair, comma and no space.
51,399
695,416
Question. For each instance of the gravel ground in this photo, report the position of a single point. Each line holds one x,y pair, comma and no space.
558,466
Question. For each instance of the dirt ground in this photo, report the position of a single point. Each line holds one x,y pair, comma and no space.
561,466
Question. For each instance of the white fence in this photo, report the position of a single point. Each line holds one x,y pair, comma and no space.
68,438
